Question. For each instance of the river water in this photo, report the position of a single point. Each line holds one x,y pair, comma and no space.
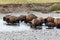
22,26
24,32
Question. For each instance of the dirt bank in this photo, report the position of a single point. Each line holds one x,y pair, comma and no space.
8,8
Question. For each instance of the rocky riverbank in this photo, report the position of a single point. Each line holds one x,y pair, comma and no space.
53,34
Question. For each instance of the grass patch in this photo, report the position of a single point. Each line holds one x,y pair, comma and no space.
27,1
54,7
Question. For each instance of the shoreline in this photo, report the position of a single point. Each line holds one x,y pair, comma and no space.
42,7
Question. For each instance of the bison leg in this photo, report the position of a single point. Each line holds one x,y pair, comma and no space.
17,21
45,21
7,22
40,24
58,26
25,22
50,26
21,20
33,26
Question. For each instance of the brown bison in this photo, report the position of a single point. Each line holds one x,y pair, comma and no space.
36,22
22,17
6,17
30,17
11,19
57,22
50,25
49,21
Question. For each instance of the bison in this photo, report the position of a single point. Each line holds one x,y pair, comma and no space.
57,22
22,18
49,21
11,19
36,22
6,17
30,17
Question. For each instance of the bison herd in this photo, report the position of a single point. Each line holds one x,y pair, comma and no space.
33,20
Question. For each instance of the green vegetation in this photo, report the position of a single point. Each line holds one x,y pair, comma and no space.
27,1
34,9
54,7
